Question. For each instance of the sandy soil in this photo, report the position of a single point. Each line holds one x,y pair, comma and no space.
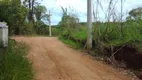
52,60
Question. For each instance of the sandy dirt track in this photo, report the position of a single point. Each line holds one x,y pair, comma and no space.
53,60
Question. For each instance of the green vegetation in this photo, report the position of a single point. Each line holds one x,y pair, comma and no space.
19,16
114,41
80,34
70,31
14,64
71,43
55,31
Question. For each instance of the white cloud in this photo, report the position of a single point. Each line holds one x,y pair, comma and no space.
81,7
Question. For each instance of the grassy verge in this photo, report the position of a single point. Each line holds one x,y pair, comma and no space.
13,63
71,43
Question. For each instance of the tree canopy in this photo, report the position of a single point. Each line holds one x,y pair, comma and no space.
22,17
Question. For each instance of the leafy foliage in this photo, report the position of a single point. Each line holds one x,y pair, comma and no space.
68,23
18,17
41,28
12,12
71,32
40,12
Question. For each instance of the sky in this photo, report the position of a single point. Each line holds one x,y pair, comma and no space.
80,8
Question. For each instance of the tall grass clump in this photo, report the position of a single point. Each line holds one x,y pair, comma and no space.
14,64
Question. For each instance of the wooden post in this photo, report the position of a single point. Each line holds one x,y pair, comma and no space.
50,32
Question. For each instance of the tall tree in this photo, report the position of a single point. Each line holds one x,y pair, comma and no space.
12,12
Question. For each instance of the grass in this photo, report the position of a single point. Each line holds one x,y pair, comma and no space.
74,38
71,43
14,64
81,34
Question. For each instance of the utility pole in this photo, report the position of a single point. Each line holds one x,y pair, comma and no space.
121,10
50,33
89,24
121,17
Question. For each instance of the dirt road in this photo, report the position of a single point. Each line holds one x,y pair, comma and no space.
52,60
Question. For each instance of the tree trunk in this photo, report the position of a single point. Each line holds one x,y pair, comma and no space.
31,8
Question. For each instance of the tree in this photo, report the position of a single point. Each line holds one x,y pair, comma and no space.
40,12
12,12
69,21
68,24
136,13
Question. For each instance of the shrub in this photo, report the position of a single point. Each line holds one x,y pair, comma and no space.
41,28
55,31
27,29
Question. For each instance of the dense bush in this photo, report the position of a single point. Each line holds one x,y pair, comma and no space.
55,31
41,28
19,17
27,29
12,12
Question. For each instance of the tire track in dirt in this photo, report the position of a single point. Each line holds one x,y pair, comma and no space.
52,60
